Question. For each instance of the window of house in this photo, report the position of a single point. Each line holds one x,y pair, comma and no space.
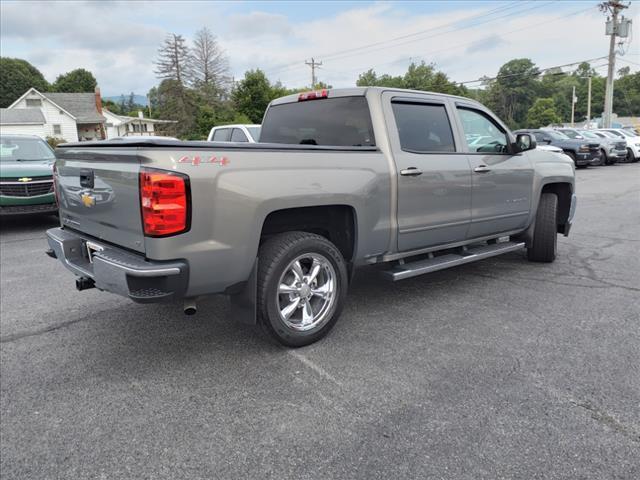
34,102
144,127
57,130
423,127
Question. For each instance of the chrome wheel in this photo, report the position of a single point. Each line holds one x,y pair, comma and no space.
306,295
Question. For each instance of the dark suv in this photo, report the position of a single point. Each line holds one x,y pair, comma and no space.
582,152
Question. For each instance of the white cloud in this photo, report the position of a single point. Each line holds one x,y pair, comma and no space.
119,41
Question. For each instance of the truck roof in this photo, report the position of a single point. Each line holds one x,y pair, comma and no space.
361,91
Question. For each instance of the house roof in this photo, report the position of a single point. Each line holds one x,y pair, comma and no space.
21,116
126,119
80,105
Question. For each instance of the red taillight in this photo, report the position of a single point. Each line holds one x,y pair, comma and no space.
55,179
164,200
313,95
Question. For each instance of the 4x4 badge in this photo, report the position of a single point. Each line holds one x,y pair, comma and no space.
197,160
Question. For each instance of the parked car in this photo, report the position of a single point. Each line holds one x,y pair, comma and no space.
615,148
575,134
633,142
344,178
582,153
26,175
235,133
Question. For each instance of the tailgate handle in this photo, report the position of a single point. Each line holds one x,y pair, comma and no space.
86,178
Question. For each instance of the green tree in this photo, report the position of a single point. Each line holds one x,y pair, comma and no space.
171,100
626,95
420,76
542,113
16,77
78,80
514,90
252,95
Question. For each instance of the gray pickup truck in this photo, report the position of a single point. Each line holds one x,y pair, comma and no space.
408,182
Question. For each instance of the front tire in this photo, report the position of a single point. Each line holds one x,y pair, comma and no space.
631,157
604,159
545,234
302,285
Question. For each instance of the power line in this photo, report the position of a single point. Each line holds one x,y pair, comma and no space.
537,73
340,57
362,47
452,47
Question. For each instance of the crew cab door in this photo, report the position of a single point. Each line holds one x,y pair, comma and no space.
433,175
502,180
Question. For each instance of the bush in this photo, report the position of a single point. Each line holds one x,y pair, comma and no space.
55,141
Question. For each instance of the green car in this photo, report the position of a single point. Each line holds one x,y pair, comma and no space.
26,175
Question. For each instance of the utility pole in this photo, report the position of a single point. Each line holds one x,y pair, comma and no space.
573,106
589,103
613,29
313,64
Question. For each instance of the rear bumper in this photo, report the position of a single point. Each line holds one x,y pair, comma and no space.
119,271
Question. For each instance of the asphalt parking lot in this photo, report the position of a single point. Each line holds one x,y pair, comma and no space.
499,369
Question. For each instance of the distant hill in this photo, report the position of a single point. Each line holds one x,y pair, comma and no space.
139,99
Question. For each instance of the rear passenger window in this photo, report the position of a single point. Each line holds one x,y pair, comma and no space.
222,135
238,136
423,128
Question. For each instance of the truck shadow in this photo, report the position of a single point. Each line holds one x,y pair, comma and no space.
140,339
21,224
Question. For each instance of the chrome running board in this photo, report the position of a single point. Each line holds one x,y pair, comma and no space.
440,262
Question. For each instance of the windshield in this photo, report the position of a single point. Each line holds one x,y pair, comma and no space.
340,121
17,149
255,132
556,135
571,133
625,133
589,135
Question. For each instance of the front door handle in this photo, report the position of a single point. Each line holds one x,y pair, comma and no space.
410,172
482,169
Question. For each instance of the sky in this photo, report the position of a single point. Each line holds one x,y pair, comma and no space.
118,41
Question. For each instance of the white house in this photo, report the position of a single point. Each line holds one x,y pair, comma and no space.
69,116
72,117
123,126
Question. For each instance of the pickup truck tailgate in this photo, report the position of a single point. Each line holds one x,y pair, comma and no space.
98,192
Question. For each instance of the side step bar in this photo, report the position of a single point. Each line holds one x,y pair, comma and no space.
428,265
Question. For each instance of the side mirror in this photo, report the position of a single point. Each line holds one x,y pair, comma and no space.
525,141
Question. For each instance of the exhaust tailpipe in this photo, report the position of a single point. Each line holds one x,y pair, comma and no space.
190,307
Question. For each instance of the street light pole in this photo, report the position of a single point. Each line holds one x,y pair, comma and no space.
573,106
589,102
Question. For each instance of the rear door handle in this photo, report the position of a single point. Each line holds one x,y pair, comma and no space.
482,169
410,172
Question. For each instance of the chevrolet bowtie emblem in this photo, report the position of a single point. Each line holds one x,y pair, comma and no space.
88,200
25,179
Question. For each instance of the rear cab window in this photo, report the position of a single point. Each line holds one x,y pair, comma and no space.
338,121
238,136
221,135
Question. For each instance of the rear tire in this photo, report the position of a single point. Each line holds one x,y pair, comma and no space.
545,234
296,307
